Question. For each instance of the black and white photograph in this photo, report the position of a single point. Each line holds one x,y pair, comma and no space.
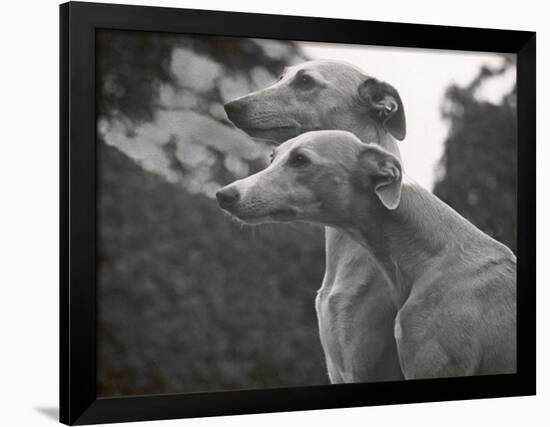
233,214
282,213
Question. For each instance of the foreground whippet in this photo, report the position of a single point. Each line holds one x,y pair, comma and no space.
354,307
455,287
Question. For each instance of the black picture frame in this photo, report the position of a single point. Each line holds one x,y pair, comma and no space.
78,24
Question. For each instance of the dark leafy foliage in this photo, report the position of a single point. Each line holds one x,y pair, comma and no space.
188,299
132,65
479,166
191,301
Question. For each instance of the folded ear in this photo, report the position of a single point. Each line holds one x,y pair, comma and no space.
380,171
385,106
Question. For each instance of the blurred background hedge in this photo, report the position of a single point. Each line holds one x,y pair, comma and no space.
189,300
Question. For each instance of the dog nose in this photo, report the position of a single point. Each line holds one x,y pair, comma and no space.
232,109
227,196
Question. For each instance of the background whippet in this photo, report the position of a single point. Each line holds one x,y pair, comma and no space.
455,286
355,310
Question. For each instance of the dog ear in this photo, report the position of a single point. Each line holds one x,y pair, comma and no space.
380,171
385,106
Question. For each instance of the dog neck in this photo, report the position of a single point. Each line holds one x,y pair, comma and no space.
407,241
334,242
374,133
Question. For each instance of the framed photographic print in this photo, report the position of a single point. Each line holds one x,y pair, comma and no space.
268,213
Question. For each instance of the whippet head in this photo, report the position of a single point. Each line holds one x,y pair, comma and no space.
320,95
323,177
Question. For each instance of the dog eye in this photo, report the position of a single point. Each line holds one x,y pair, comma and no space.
305,82
299,161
